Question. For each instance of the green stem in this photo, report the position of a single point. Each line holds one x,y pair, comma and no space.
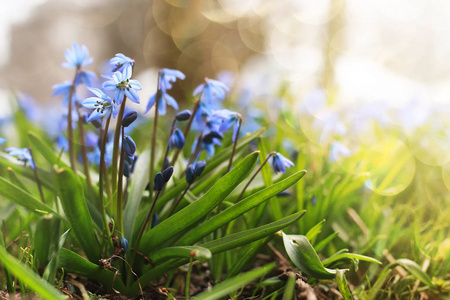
234,145
120,187
254,175
144,225
73,162
101,168
188,279
84,155
186,130
115,155
168,144
36,177
154,137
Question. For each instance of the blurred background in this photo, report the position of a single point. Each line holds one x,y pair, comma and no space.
339,64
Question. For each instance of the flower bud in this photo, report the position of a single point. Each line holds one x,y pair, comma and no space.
177,139
183,115
155,220
190,174
158,182
129,146
167,173
199,168
124,244
129,118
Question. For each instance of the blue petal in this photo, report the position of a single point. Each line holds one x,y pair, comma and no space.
150,103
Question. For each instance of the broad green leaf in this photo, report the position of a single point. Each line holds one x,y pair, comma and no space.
249,251
305,258
73,263
240,208
200,253
28,277
231,285
414,269
342,285
343,256
244,237
137,188
16,180
21,197
197,210
77,212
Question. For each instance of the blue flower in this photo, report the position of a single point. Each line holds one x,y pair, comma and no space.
165,99
212,91
2,140
176,139
121,62
63,89
77,57
102,105
129,147
194,170
280,163
228,119
23,154
124,244
338,150
121,83
85,77
166,77
94,156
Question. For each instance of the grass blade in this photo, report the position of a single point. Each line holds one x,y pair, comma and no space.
28,277
231,285
342,285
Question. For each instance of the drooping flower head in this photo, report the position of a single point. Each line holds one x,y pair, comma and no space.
22,154
63,89
77,57
176,139
212,92
122,84
102,105
167,77
280,163
228,119
129,147
120,62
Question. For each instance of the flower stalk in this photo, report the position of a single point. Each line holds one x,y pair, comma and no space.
73,163
234,145
36,177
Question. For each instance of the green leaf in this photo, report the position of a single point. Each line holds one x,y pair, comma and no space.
200,253
305,257
231,285
21,197
28,277
137,188
342,285
46,237
40,146
320,245
240,208
197,210
52,267
313,232
73,263
289,289
72,199
244,237
414,269
342,256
